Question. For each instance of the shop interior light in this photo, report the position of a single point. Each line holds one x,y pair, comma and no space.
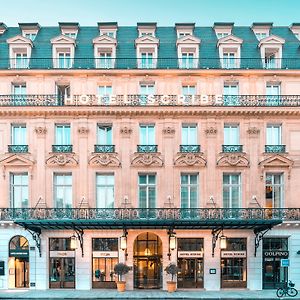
73,244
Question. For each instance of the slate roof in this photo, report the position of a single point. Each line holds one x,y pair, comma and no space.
167,52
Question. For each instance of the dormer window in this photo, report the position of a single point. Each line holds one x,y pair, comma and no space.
3,27
184,29
261,35
146,29
295,28
21,60
271,51
71,34
30,35
108,29
64,59
261,30
223,29
188,52
29,30
69,29
222,34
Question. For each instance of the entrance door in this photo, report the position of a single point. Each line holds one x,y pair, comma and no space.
233,273
273,274
62,272
190,273
21,273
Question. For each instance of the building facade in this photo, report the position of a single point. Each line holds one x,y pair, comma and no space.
149,145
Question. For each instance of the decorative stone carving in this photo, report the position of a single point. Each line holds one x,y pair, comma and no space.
190,159
62,159
276,162
253,131
126,131
83,130
233,160
211,131
147,159
40,130
105,160
168,131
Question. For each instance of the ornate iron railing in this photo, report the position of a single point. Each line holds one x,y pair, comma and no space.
17,148
154,63
62,148
285,214
104,148
189,148
146,148
275,148
152,100
232,148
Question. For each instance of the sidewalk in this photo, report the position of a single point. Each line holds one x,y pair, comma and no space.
137,294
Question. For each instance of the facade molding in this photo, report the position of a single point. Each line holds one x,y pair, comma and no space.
62,159
190,160
104,160
233,160
147,159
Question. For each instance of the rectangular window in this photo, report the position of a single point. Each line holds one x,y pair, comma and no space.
274,190
229,60
274,134
231,190
18,134
105,60
60,244
145,91
147,135
231,134
64,60
105,91
273,94
222,34
188,60
63,190
188,90
105,186
19,89
70,34
147,60
271,62
147,191
19,190
104,135
30,36
231,94
22,61
189,190
261,35
189,134
62,134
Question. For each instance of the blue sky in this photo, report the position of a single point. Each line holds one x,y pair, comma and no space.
164,12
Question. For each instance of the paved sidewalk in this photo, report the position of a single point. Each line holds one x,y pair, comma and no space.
147,294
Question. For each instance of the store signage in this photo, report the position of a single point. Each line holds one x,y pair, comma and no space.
62,254
230,254
2,268
18,252
105,254
191,254
281,254
284,262
212,271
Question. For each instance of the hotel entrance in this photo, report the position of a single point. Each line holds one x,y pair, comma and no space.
147,261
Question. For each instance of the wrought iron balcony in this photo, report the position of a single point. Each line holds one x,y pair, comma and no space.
232,148
18,148
189,148
274,148
30,100
62,148
146,148
104,148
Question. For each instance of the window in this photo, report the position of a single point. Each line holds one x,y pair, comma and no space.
188,90
273,94
229,60
19,190
18,134
270,60
30,36
104,60
105,91
147,33
60,244
71,34
109,33
231,92
19,94
62,134
145,91
231,134
189,191
104,136
64,60
105,185
273,134
261,35
274,190
147,60
187,60
63,190
182,34
147,135
147,191
189,134
231,190
22,61
222,34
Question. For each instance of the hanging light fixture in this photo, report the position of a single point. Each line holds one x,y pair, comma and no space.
123,241
223,242
73,243
172,241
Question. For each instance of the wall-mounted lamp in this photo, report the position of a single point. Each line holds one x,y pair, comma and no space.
123,241
172,242
223,242
73,243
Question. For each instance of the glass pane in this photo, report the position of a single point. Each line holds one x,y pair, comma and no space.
194,179
194,197
184,197
142,179
142,197
151,179
226,198
152,197
184,179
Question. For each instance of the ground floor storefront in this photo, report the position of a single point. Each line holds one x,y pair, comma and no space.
68,260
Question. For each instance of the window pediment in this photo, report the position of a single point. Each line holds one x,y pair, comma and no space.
188,39
104,39
16,160
147,39
278,161
62,39
19,39
272,39
230,39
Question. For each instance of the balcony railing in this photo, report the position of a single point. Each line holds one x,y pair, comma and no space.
275,148
104,148
18,148
62,148
152,100
232,148
285,214
189,148
154,63
146,148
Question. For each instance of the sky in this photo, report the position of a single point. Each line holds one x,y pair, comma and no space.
164,12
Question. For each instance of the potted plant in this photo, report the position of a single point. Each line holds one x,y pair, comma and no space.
121,269
172,270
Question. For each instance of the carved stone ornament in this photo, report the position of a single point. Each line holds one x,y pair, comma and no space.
233,160
211,131
169,131
62,159
253,131
190,159
83,130
147,159
126,131
105,160
40,130
276,163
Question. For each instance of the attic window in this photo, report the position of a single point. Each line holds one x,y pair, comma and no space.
30,35
110,33
143,33
222,34
261,35
71,34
